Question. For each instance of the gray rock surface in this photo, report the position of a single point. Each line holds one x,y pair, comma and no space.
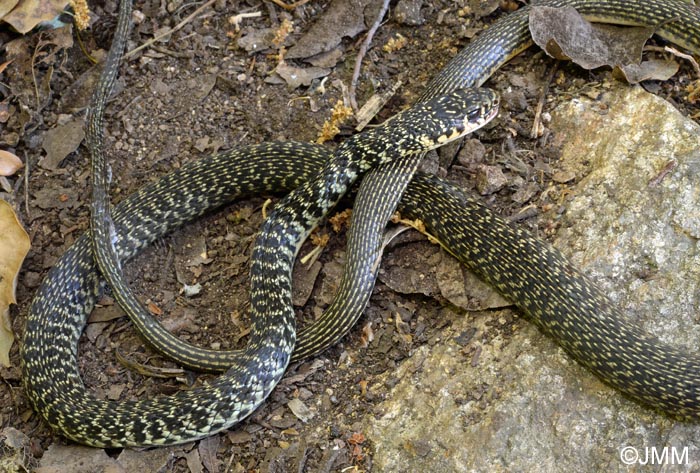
519,403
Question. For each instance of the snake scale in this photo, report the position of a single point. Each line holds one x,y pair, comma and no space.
575,313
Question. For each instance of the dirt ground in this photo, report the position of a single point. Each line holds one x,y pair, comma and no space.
201,92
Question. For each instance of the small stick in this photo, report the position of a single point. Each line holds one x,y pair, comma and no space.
237,19
171,31
26,187
289,7
362,52
677,53
540,103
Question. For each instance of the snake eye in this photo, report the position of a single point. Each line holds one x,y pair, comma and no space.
473,115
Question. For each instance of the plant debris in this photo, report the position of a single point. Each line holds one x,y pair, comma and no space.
564,34
14,245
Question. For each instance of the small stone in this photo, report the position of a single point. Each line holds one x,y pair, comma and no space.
407,12
472,152
300,410
32,279
490,179
563,176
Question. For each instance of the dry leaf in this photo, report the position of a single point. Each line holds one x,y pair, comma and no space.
482,8
61,141
9,163
563,33
14,245
63,458
300,410
342,18
298,76
648,70
29,13
6,6
4,65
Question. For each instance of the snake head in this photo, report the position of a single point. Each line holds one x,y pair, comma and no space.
461,112
425,126
433,123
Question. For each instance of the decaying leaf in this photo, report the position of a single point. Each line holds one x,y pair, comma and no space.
29,13
342,18
6,6
482,8
298,76
564,34
63,458
61,141
4,65
9,163
14,245
652,69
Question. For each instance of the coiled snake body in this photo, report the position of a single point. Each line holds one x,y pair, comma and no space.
576,314
50,365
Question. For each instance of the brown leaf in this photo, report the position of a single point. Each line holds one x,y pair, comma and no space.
4,65
61,141
342,18
62,458
298,76
29,13
194,462
647,70
148,370
14,245
9,163
207,452
482,8
6,6
563,33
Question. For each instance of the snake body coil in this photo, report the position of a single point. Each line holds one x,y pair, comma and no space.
575,313
381,188
50,366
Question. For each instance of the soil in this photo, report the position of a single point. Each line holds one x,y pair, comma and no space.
198,93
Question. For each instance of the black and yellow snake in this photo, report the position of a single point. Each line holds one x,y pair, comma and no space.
576,314
50,373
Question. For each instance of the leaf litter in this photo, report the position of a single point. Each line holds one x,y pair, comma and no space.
14,245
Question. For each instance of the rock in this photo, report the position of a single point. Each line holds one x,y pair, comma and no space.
491,403
489,179
473,151
407,12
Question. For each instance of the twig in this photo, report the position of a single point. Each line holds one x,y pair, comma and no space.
237,19
40,44
83,48
540,103
176,54
26,188
171,31
677,53
289,7
362,52
670,166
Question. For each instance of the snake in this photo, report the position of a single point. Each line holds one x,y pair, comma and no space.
200,412
574,313
471,68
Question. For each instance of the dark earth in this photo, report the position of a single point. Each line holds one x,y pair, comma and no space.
201,91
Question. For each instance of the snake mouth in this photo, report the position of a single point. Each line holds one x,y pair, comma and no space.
472,121
485,109
490,114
